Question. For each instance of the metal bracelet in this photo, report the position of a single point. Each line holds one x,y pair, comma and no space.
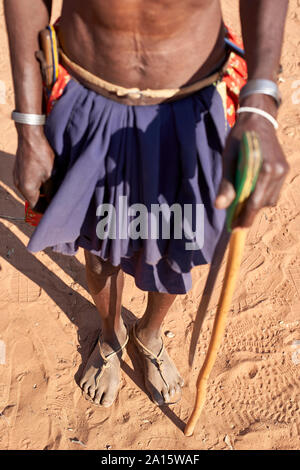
261,86
30,119
261,112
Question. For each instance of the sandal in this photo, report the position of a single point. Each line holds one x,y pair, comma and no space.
155,359
106,363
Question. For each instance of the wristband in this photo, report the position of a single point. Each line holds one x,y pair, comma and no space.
30,119
247,109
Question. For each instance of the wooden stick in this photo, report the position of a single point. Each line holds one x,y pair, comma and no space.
235,254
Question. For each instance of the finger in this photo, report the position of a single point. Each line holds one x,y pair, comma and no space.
225,195
33,200
274,191
256,201
230,158
47,189
273,196
31,195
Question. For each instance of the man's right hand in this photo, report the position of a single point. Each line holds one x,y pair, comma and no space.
34,162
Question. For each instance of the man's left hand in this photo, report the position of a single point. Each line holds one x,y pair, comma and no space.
272,174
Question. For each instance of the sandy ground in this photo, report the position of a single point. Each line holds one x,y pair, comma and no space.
48,325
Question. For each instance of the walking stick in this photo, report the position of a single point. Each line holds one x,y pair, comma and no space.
249,163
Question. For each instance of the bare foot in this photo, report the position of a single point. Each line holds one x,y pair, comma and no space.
101,377
162,379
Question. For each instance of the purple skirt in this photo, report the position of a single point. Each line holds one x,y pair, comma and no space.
161,155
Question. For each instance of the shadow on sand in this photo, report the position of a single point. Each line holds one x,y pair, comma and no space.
77,308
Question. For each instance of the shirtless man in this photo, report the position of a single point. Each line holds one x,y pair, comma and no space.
156,44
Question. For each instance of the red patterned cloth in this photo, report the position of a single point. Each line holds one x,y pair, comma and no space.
31,217
58,88
235,78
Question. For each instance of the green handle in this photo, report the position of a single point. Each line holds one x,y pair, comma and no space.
248,167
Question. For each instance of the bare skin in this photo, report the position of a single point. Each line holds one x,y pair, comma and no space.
145,44
105,284
148,50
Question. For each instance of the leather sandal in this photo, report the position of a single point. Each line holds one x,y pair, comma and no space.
106,363
154,358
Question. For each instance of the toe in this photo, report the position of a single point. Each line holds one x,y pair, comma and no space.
82,383
166,395
175,393
157,397
180,381
106,403
86,387
178,392
107,400
92,391
98,397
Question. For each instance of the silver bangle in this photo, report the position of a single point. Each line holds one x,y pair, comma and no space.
30,119
268,116
261,86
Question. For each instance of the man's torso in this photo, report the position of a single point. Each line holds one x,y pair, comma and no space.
144,43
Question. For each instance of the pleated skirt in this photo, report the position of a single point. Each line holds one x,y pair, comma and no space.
111,157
